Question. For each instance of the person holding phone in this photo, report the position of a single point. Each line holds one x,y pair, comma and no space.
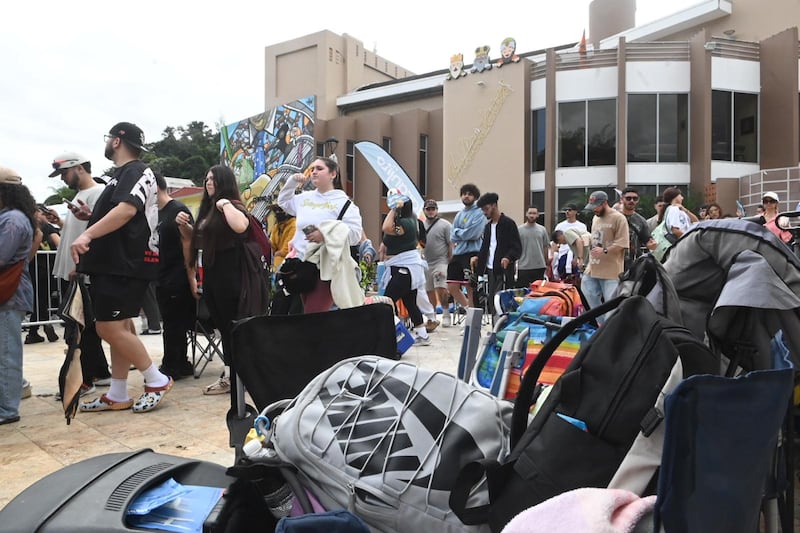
75,171
328,223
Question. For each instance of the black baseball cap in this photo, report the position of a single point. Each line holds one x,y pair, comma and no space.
569,207
130,133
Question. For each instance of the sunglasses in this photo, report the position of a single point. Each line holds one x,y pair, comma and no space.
430,209
631,198
769,201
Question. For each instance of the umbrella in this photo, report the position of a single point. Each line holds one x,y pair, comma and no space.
75,311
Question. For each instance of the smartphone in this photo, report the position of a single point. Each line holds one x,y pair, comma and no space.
72,204
309,229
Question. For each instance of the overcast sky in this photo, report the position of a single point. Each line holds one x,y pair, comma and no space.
71,70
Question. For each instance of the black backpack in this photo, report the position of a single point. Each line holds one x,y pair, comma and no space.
591,417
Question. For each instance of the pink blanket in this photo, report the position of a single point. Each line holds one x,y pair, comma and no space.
585,510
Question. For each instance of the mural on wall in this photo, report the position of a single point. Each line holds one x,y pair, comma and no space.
508,54
482,61
265,149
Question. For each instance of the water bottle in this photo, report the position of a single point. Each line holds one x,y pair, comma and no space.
276,493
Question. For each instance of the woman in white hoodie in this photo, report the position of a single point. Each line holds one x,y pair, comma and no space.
321,222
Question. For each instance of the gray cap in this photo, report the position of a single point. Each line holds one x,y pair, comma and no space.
596,199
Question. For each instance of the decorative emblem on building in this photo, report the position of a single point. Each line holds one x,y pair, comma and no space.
507,52
456,67
481,62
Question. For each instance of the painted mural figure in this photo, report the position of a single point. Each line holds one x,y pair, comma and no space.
482,61
508,54
456,67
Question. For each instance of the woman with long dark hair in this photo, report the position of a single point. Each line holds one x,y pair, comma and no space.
216,245
17,226
405,269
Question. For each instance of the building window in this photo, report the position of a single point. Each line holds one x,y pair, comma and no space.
734,126
537,139
422,179
320,149
587,133
658,129
387,145
537,200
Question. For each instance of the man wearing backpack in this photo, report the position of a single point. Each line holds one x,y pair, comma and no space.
610,241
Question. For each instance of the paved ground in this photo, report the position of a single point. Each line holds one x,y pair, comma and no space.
186,424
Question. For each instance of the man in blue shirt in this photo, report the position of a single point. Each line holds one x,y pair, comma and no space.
467,237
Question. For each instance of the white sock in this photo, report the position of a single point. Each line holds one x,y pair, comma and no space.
153,377
118,390
226,373
421,332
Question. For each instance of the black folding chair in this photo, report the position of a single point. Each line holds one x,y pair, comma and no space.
204,339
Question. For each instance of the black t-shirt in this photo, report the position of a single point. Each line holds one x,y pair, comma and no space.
171,265
132,250
639,235
47,236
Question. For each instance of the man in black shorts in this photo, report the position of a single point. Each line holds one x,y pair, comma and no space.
467,237
119,251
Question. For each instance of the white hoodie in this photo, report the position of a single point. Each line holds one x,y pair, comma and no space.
312,208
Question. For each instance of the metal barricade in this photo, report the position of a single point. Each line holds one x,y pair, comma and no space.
46,290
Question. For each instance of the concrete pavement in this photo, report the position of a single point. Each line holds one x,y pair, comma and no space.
187,423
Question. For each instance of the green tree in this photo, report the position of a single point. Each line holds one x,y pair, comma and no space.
59,195
185,152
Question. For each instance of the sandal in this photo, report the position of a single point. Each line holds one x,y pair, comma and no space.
104,404
151,397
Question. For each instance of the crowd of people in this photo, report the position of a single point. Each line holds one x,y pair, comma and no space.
136,248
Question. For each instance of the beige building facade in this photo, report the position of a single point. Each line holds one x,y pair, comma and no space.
697,99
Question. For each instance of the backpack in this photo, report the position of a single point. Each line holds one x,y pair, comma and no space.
566,292
589,421
386,439
255,270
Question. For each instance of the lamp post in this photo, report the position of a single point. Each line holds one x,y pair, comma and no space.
330,147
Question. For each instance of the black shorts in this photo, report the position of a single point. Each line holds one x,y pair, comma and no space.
457,265
116,297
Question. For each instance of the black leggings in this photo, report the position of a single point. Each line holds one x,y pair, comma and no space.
399,288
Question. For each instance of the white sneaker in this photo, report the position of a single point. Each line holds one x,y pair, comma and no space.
446,323
422,341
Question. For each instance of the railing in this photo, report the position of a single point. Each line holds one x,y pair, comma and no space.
733,49
46,290
657,51
590,59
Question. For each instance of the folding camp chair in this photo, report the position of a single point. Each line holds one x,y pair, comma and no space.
204,340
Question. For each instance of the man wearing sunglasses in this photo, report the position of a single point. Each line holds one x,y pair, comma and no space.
75,171
639,231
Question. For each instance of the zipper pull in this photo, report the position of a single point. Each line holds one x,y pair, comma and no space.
351,501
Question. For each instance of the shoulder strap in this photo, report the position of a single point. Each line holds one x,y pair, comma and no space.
344,209
435,220
522,404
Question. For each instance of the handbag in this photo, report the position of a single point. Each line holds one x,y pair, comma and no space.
297,276
664,238
10,277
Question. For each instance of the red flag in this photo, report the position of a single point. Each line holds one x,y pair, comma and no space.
582,46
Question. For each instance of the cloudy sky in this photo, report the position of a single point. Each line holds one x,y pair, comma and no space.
71,70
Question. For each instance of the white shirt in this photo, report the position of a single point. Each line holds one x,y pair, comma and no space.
73,227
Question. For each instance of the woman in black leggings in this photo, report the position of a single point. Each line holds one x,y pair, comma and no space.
405,269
